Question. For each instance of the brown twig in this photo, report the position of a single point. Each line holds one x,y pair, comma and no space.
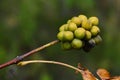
86,74
19,58
23,63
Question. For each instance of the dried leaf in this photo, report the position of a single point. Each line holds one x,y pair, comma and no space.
103,74
115,78
86,74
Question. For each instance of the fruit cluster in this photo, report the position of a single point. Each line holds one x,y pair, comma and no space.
80,32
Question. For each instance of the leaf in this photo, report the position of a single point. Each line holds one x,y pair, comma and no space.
103,74
86,74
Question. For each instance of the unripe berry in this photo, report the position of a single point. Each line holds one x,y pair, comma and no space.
66,45
94,30
97,39
72,26
62,28
69,21
88,35
94,20
86,24
82,17
66,27
60,35
79,33
68,36
76,20
77,43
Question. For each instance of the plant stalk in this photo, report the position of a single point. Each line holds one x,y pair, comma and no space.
19,58
23,63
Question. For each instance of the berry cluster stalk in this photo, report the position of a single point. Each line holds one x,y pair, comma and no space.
23,63
19,58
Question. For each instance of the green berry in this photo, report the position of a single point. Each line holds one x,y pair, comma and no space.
77,43
66,45
68,35
66,27
60,35
62,28
68,21
86,24
82,17
94,20
76,20
97,39
79,33
95,30
88,35
72,26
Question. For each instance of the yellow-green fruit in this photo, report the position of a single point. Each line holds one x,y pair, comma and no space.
68,21
72,26
60,35
82,17
66,45
68,36
94,20
66,27
97,39
62,28
88,35
77,43
86,24
76,20
95,30
79,33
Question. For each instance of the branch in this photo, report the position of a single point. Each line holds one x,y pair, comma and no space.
19,58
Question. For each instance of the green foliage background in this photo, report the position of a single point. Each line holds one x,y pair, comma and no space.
27,24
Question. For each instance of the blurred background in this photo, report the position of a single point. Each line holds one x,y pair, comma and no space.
28,24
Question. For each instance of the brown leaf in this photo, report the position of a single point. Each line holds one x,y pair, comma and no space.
115,78
103,74
86,74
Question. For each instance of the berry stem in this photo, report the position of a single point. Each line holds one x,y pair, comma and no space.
86,74
19,58
23,63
